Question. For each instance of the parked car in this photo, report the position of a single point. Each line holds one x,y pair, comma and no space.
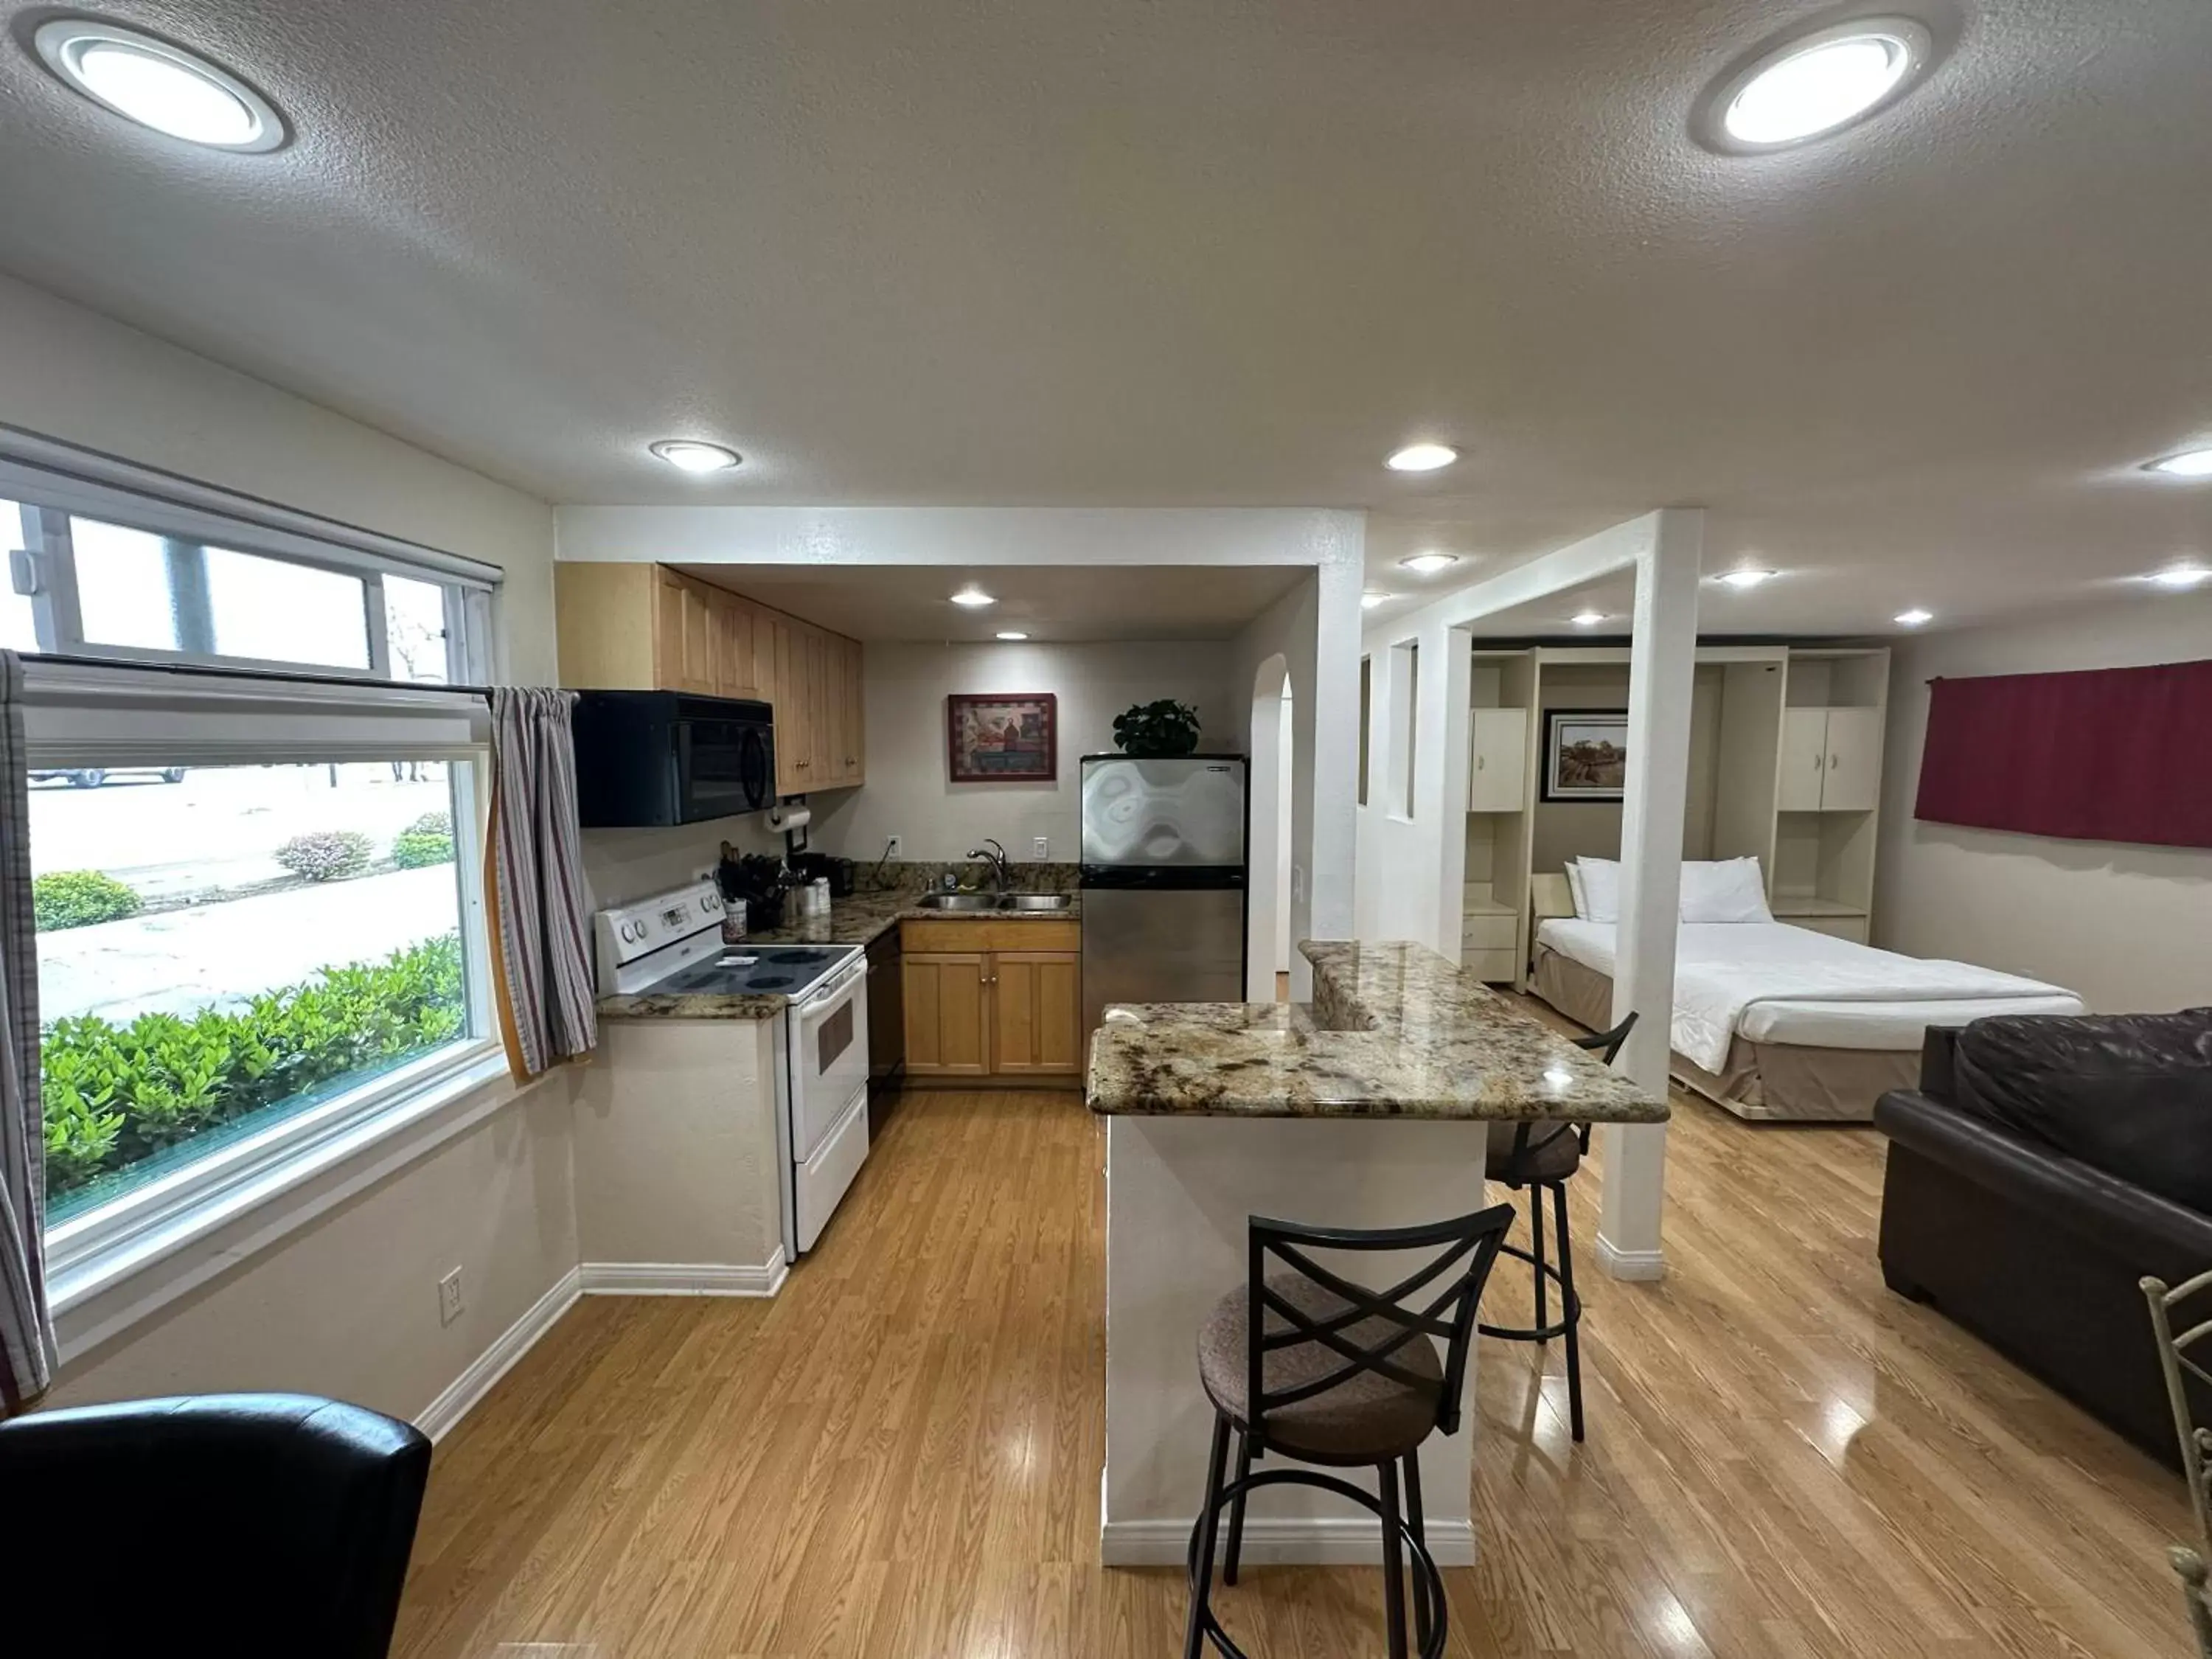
91,777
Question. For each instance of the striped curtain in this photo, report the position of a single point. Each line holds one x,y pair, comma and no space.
27,1326
541,956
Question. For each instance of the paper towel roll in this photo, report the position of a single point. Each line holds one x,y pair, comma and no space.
782,819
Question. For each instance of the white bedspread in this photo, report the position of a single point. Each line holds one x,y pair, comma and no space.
1773,983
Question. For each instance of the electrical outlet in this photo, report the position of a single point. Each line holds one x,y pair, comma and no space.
1041,848
898,847
449,1297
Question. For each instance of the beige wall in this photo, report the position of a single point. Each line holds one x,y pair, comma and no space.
69,373
909,792
348,1304
2126,926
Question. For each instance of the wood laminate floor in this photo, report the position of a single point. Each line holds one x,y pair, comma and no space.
900,1454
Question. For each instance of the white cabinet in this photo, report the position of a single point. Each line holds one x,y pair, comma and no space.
1497,761
1830,760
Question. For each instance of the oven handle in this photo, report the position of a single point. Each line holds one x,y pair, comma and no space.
837,990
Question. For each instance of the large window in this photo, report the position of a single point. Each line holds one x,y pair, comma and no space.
224,947
258,892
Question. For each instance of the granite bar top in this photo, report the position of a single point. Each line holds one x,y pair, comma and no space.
859,919
1394,1031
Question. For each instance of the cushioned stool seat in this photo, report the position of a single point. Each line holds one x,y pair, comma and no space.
1363,1419
1554,1152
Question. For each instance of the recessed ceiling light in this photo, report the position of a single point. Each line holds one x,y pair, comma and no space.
974,598
1427,564
1587,618
2180,576
1369,600
1422,458
1820,82
1915,617
1011,634
689,455
158,85
1745,578
2187,464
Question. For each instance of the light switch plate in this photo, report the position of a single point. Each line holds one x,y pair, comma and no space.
1041,848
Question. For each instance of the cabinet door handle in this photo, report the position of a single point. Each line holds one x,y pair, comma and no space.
1481,761
1816,762
1832,759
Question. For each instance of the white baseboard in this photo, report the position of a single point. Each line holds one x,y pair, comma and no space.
460,1396
1618,1263
681,1278
1346,1542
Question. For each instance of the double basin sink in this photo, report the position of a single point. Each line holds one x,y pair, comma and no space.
988,902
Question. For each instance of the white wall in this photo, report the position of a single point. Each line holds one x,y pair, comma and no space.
348,1304
909,792
69,373
2129,927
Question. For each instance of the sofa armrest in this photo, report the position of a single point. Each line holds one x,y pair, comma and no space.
1937,1047
2120,1218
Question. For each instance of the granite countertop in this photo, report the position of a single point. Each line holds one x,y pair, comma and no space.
859,919
1394,1031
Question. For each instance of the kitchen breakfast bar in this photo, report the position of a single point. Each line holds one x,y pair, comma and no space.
1370,1107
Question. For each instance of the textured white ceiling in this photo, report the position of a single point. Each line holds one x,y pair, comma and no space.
1048,602
1098,251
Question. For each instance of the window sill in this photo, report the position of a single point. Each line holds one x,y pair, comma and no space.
112,1266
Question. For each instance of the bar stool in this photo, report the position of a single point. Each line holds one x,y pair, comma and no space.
1305,1363
1542,1157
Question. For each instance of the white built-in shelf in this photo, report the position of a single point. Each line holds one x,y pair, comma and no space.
1480,906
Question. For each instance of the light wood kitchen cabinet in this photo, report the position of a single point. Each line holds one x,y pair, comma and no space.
645,627
979,1003
948,1013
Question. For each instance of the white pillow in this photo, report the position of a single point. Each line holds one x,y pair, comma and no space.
1575,886
1600,889
1726,890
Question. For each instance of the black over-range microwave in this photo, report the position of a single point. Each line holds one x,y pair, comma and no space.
649,758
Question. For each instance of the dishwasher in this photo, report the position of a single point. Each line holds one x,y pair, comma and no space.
886,1023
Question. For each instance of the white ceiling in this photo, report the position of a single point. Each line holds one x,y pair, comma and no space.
1103,252
1047,602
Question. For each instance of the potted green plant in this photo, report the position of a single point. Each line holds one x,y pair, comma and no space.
1165,728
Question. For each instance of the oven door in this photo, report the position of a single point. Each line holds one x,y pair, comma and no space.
724,767
829,1056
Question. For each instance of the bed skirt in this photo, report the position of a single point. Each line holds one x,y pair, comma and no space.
1785,1081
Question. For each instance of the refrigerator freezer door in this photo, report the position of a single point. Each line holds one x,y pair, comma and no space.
1163,813
1141,946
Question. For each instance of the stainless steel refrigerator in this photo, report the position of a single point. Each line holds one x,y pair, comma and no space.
1163,880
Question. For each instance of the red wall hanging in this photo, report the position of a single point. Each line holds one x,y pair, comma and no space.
2110,754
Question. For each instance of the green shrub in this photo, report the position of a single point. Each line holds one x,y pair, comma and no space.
413,850
115,1094
326,854
78,898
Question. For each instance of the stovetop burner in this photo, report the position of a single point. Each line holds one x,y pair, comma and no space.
770,981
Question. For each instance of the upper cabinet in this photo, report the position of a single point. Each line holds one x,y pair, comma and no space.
644,626
1830,760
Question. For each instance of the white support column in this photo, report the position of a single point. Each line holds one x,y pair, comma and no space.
1661,666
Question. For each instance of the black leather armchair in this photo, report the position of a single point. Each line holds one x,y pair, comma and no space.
2043,1167
251,1525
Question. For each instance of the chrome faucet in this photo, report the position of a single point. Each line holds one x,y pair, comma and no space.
996,858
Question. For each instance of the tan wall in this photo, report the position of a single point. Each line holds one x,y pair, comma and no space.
348,1305
69,373
2126,926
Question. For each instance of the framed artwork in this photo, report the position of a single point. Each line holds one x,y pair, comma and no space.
1006,739
1585,754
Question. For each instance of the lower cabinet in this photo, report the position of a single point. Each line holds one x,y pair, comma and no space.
974,1009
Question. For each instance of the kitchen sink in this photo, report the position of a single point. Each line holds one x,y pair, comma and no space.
975,901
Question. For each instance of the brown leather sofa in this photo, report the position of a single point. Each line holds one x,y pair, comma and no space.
2043,1167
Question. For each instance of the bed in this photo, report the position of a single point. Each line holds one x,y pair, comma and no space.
1772,1021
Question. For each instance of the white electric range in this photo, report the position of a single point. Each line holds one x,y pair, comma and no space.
671,943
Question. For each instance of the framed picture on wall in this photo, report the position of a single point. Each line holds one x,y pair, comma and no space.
1005,738
1585,754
